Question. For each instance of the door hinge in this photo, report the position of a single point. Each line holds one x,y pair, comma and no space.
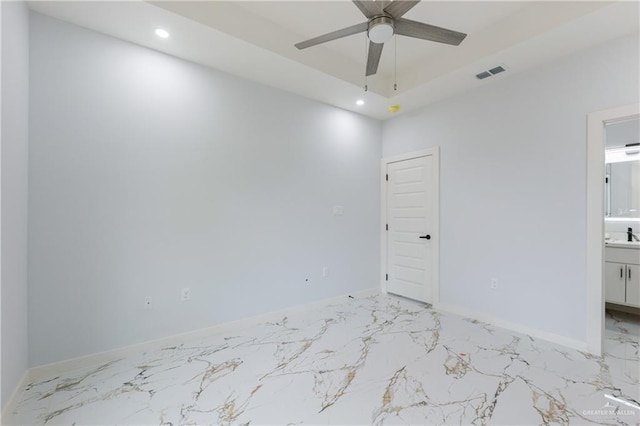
386,278
387,226
387,177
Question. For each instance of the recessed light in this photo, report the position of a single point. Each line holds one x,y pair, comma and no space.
359,102
162,33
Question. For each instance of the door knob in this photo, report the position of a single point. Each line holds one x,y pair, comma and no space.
426,237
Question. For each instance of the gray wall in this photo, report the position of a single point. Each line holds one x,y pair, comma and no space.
513,184
14,157
149,174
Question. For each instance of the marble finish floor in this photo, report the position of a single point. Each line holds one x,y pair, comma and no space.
377,360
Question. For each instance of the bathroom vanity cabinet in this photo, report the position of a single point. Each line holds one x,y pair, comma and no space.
622,275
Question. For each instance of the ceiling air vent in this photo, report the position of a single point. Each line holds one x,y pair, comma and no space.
489,73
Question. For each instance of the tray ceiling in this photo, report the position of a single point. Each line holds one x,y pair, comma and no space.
255,40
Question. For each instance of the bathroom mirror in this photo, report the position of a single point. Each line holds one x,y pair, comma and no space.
622,194
622,170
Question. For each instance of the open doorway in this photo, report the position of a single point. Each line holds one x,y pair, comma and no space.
595,268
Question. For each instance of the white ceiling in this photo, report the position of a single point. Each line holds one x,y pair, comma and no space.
254,39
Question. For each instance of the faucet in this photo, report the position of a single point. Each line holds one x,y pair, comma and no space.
631,236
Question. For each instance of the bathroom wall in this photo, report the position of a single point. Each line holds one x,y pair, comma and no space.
618,229
149,174
513,184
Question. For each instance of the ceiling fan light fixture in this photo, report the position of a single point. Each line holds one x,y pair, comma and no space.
380,30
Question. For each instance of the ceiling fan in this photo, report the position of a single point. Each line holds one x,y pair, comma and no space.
384,19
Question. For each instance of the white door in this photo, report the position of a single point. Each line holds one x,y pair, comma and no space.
411,234
614,282
633,285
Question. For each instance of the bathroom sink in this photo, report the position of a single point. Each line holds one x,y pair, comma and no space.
622,244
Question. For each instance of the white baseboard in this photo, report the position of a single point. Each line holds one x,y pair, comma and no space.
48,370
15,397
519,328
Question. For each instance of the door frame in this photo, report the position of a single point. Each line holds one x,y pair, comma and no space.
596,123
434,152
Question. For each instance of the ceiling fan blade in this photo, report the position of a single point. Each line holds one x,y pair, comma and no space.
400,7
369,8
373,57
424,31
354,29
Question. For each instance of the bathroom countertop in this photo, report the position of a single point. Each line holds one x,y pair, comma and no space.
622,244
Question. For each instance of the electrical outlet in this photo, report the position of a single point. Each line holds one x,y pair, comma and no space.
186,294
325,271
148,302
494,283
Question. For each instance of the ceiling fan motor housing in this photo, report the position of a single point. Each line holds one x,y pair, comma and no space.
381,29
